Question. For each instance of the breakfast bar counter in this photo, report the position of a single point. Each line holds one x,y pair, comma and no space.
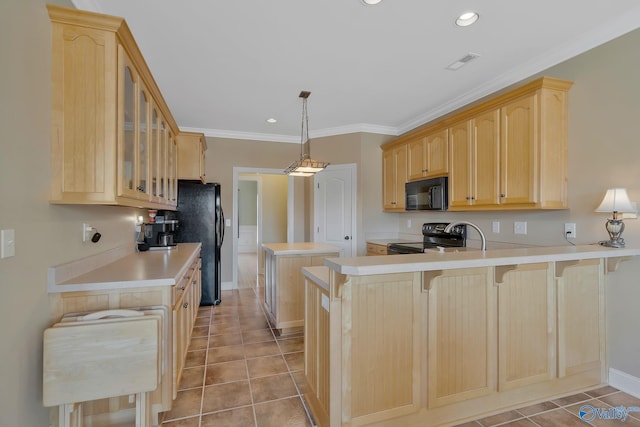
439,339
453,258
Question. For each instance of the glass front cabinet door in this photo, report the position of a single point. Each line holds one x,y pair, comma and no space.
128,127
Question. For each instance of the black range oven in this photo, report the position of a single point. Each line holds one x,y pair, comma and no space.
433,236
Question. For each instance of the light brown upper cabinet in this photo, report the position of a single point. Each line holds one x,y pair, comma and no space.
112,132
474,165
394,176
509,152
427,156
191,156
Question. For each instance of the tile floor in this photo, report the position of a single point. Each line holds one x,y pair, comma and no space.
565,411
239,374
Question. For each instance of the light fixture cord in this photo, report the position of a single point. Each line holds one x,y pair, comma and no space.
304,135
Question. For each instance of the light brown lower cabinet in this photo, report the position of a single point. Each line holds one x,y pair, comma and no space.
284,286
183,297
447,346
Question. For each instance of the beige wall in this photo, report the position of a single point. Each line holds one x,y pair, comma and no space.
274,208
46,235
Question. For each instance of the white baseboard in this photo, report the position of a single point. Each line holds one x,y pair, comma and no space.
624,382
227,286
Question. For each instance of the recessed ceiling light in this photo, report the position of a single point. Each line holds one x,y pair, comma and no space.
371,2
271,120
467,19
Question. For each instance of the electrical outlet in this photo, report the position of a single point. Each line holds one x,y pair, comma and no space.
495,227
570,230
409,223
520,227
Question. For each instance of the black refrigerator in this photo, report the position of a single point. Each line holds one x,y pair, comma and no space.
201,219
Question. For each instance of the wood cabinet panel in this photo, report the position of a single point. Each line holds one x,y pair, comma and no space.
375,249
317,350
383,318
416,159
526,325
394,176
427,156
83,120
437,154
519,154
191,156
581,327
461,339
485,166
460,165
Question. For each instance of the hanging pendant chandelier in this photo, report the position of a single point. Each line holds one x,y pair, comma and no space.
305,166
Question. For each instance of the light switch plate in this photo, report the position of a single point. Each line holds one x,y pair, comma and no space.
495,227
7,243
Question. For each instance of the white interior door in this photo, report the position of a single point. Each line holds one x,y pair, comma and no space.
335,207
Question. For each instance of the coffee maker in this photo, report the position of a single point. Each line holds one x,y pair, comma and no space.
159,235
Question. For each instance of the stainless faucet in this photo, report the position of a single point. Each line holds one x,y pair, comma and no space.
482,238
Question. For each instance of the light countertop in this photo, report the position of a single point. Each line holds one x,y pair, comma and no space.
318,274
384,264
134,270
301,248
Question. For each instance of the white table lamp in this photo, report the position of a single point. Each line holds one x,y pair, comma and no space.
616,201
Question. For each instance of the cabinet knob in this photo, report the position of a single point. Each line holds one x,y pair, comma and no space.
185,305
181,288
502,195
346,237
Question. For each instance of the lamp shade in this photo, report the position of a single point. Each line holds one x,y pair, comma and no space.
615,200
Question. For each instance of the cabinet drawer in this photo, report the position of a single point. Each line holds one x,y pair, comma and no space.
374,249
190,277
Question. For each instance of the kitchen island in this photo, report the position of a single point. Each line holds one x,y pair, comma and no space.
442,338
123,279
284,283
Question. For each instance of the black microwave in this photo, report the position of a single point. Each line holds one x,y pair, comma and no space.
427,195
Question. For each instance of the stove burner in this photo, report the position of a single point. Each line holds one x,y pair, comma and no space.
433,235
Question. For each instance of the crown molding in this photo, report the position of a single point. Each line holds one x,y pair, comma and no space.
342,130
585,42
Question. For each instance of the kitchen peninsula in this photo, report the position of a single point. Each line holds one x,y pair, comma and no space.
442,338
284,283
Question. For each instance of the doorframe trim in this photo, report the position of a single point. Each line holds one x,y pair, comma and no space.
234,222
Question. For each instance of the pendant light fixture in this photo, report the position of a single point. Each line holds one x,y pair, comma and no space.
306,166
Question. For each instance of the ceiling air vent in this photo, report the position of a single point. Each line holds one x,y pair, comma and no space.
462,61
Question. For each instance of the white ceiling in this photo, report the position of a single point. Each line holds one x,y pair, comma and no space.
225,66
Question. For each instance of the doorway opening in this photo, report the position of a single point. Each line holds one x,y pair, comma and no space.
262,213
